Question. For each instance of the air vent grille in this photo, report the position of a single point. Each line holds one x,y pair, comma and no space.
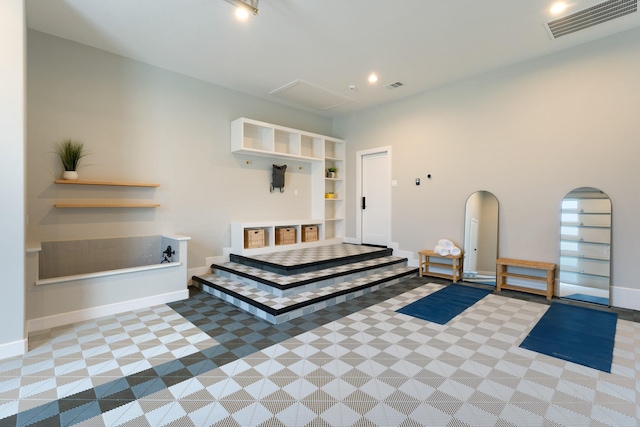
394,85
591,16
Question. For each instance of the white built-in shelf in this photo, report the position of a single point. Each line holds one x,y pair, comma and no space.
269,227
265,139
252,137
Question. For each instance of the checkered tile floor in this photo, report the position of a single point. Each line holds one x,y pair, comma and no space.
315,254
359,363
277,302
280,280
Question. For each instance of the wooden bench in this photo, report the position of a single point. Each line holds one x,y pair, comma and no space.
455,266
502,274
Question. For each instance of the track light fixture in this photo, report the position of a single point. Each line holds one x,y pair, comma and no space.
248,5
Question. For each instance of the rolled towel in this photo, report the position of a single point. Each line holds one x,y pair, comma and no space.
455,251
447,244
441,251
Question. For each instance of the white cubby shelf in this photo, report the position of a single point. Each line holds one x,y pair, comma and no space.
252,137
325,235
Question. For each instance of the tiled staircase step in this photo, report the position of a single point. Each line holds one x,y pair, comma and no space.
280,285
299,261
277,309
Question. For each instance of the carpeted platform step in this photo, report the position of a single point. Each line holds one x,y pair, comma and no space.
280,285
279,309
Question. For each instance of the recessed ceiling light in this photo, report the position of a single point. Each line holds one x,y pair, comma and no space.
373,78
558,8
242,13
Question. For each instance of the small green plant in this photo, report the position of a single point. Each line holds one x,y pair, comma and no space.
71,152
332,169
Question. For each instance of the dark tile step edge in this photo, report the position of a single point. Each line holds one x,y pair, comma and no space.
277,312
306,281
288,270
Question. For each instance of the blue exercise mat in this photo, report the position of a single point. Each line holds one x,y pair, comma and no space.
578,334
445,304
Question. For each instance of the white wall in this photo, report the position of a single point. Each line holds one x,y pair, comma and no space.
145,124
529,134
12,175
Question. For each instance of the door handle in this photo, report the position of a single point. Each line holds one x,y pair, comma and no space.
364,202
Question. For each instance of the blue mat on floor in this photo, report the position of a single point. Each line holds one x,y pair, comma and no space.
588,298
445,304
578,334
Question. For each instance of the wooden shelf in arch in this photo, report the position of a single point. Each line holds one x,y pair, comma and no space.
106,205
107,183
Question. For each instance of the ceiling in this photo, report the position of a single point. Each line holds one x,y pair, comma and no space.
329,44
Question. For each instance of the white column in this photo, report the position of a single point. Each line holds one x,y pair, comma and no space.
12,175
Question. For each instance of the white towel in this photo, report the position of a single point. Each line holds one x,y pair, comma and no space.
447,244
441,251
455,251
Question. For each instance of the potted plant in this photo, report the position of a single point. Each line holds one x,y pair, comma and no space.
329,195
331,172
70,153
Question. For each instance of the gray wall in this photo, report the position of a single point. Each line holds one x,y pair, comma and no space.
145,124
529,134
12,214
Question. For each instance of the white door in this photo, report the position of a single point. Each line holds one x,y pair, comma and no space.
472,256
375,205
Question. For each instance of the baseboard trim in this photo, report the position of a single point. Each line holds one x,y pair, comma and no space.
625,297
56,320
13,349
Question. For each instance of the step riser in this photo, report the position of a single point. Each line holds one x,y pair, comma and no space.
309,286
301,311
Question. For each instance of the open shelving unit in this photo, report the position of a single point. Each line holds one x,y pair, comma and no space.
334,206
269,227
257,138
82,205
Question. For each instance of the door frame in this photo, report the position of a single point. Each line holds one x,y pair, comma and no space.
359,156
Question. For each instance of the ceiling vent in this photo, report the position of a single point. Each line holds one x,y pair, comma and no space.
591,16
309,95
394,85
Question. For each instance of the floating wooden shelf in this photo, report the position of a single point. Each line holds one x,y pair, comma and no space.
108,183
106,205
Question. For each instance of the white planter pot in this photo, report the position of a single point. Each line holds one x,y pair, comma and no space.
70,175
